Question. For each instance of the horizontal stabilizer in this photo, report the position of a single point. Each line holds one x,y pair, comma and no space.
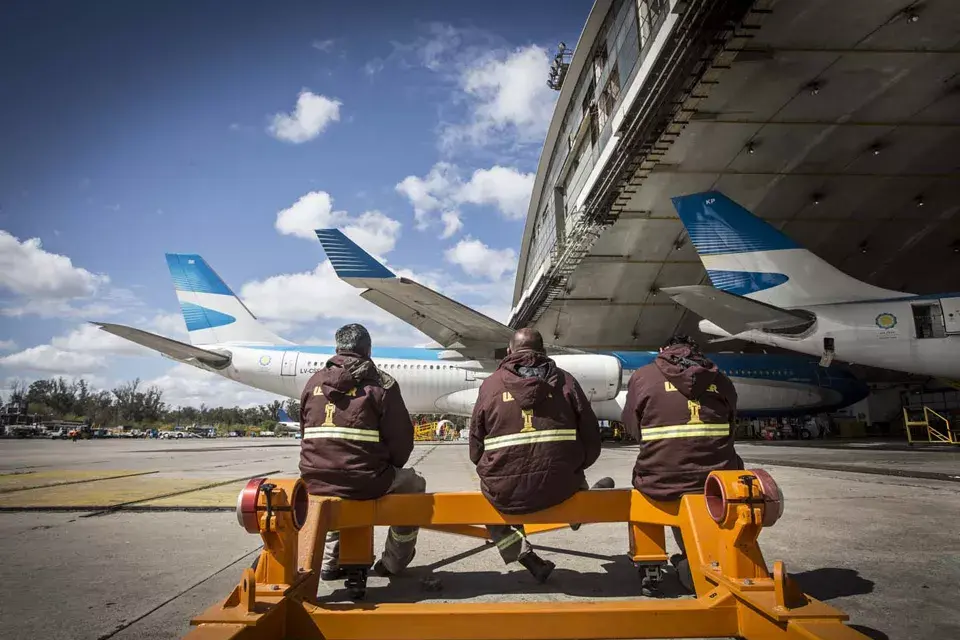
736,314
451,324
172,348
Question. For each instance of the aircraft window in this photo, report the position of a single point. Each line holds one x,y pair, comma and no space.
418,366
404,366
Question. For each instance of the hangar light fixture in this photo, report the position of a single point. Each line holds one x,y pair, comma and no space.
817,197
875,148
956,246
751,148
918,200
813,88
912,17
863,247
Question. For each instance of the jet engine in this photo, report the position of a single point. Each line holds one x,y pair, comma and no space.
599,375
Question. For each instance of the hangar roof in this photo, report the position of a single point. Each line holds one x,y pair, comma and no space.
837,120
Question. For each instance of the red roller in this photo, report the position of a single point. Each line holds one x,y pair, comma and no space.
247,505
772,497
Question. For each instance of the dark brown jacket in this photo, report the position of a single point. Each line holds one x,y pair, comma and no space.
532,434
351,450
682,409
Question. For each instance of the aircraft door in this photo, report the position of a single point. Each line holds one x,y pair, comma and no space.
289,365
951,314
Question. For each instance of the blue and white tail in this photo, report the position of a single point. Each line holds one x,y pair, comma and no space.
746,256
283,416
213,314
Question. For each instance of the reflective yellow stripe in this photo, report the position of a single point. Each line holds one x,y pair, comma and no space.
344,433
403,537
684,431
530,437
510,540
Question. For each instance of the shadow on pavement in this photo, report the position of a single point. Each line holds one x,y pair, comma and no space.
832,582
874,634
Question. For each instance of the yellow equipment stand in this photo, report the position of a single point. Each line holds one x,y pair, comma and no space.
946,435
736,594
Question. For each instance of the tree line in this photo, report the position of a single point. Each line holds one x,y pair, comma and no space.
132,404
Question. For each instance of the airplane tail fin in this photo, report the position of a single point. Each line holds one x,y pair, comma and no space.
211,311
748,257
283,416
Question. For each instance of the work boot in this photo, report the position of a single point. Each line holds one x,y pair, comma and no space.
381,570
602,483
337,573
539,568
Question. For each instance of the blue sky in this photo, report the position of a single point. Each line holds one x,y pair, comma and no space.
132,129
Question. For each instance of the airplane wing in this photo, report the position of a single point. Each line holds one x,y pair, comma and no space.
174,349
736,314
451,324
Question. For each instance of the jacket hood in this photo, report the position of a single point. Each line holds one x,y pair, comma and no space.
529,376
345,371
689,371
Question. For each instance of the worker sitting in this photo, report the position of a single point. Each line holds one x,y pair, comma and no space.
532,434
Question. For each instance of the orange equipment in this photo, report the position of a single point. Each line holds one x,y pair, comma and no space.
736,594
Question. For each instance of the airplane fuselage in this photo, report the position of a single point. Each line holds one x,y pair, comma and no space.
919,335
766,385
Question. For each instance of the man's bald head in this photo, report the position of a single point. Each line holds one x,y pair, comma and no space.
526,340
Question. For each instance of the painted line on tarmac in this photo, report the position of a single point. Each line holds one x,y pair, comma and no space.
69,482
422,456
846,468
129,623
124,505
16,473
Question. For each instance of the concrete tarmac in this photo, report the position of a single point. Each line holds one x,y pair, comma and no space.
130,538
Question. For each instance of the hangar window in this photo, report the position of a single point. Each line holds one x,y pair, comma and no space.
609,97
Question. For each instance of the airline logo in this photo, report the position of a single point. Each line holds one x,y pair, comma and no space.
886,321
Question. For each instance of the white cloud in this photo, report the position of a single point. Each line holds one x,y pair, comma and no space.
323,45
310,117
507,96
477,259
451,223
442,191
170,325
372,230
88,348
8,345
184,385
373,67
308,297
432,193
504,187
27,269
51,359
90,339
57,309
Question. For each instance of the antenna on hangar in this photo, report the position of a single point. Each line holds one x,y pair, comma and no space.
559,66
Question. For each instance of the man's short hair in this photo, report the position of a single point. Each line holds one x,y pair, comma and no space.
527,339
680,339
354,338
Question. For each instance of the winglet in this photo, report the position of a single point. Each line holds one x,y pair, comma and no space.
348,259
